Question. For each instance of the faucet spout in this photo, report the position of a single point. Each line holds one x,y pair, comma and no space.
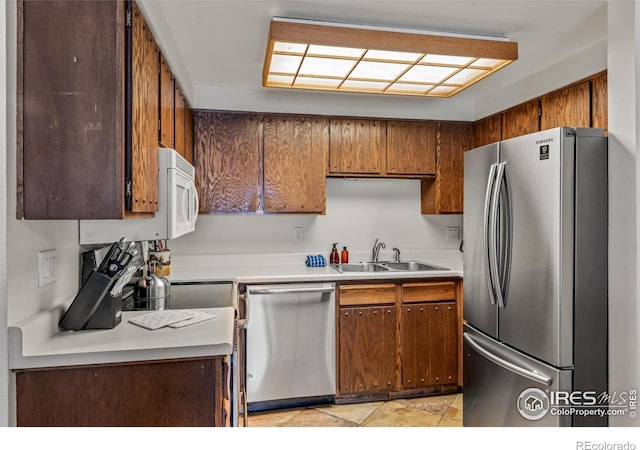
375,252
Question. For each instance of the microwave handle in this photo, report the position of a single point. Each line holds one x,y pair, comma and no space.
190,190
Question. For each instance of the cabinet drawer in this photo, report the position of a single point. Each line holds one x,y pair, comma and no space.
425,292
370,294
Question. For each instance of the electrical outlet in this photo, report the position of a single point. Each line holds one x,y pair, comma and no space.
297,235
452,233
47,270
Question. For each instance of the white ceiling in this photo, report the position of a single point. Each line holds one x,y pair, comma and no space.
221,44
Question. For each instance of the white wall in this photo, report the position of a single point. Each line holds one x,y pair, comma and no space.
623,45
358,211
4,373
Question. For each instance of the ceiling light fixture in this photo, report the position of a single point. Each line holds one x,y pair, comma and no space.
305,54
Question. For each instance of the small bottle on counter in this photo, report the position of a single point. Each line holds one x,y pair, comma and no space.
345,256
334,258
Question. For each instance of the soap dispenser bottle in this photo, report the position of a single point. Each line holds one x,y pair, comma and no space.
334,258
344,259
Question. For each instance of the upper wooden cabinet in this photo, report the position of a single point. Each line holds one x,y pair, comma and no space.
357,146
188,134
180,117
487,131
521,119
411,148
295,155
570,107
599,102
228,161
167,105
444,194
87,140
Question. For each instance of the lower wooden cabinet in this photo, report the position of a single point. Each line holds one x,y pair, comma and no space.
368,361
183,393
429,352
397,338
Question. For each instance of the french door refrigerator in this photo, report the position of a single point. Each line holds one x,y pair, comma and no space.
535,280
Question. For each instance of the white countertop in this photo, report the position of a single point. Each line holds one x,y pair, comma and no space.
283,268
37,342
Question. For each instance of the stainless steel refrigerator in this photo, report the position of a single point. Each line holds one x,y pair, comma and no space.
535,280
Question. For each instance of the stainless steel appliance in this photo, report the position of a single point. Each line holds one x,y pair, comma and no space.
290,345
535,279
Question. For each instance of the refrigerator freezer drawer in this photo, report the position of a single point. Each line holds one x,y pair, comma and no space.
495,378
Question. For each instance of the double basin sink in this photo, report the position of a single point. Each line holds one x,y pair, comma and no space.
386,266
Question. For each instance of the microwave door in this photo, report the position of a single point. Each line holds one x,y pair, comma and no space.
182,204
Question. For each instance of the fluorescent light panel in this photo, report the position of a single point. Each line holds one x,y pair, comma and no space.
308,55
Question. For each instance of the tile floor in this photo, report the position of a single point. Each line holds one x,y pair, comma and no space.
433,411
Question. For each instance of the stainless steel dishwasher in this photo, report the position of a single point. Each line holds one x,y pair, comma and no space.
290,345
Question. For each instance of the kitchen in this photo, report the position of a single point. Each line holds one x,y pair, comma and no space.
611,50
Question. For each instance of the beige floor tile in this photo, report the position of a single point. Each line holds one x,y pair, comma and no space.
316,418
449,422
396,414
455,410
356,412
271,418
436,404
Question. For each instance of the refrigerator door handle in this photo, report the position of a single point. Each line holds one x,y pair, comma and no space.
494,238
506,233
511,366
488,233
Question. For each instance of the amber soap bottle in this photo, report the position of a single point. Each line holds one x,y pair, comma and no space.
345,255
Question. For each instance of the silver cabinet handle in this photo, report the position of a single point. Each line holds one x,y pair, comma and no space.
531,375
296,290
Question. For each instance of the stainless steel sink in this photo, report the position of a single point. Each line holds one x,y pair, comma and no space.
411,266
359,267
386,266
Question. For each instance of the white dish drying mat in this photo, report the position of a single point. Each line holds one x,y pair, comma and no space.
171,318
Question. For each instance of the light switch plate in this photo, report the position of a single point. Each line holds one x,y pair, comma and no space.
452,233
297,235
47,270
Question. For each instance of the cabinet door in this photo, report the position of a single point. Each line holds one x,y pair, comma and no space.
188,134
429,344
228,165
455,139
295,158
570,107
167,105
70,110
144,117
180,116
356,146
367,348
487,131
411,148
599,102
520,120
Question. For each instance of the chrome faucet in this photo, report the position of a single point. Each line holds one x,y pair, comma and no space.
397,250
376,250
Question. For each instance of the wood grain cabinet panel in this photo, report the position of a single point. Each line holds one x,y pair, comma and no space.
167,105
188,134
184,393
429,345
520,120
145,116
599,102
428,291
455,139
367,352
570,107
368,294
180,112
487,131
411,148
357,146
295,158
228,161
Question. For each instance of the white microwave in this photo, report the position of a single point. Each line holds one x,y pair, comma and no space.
177,208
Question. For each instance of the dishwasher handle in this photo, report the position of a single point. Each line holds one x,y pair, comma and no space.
291,290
